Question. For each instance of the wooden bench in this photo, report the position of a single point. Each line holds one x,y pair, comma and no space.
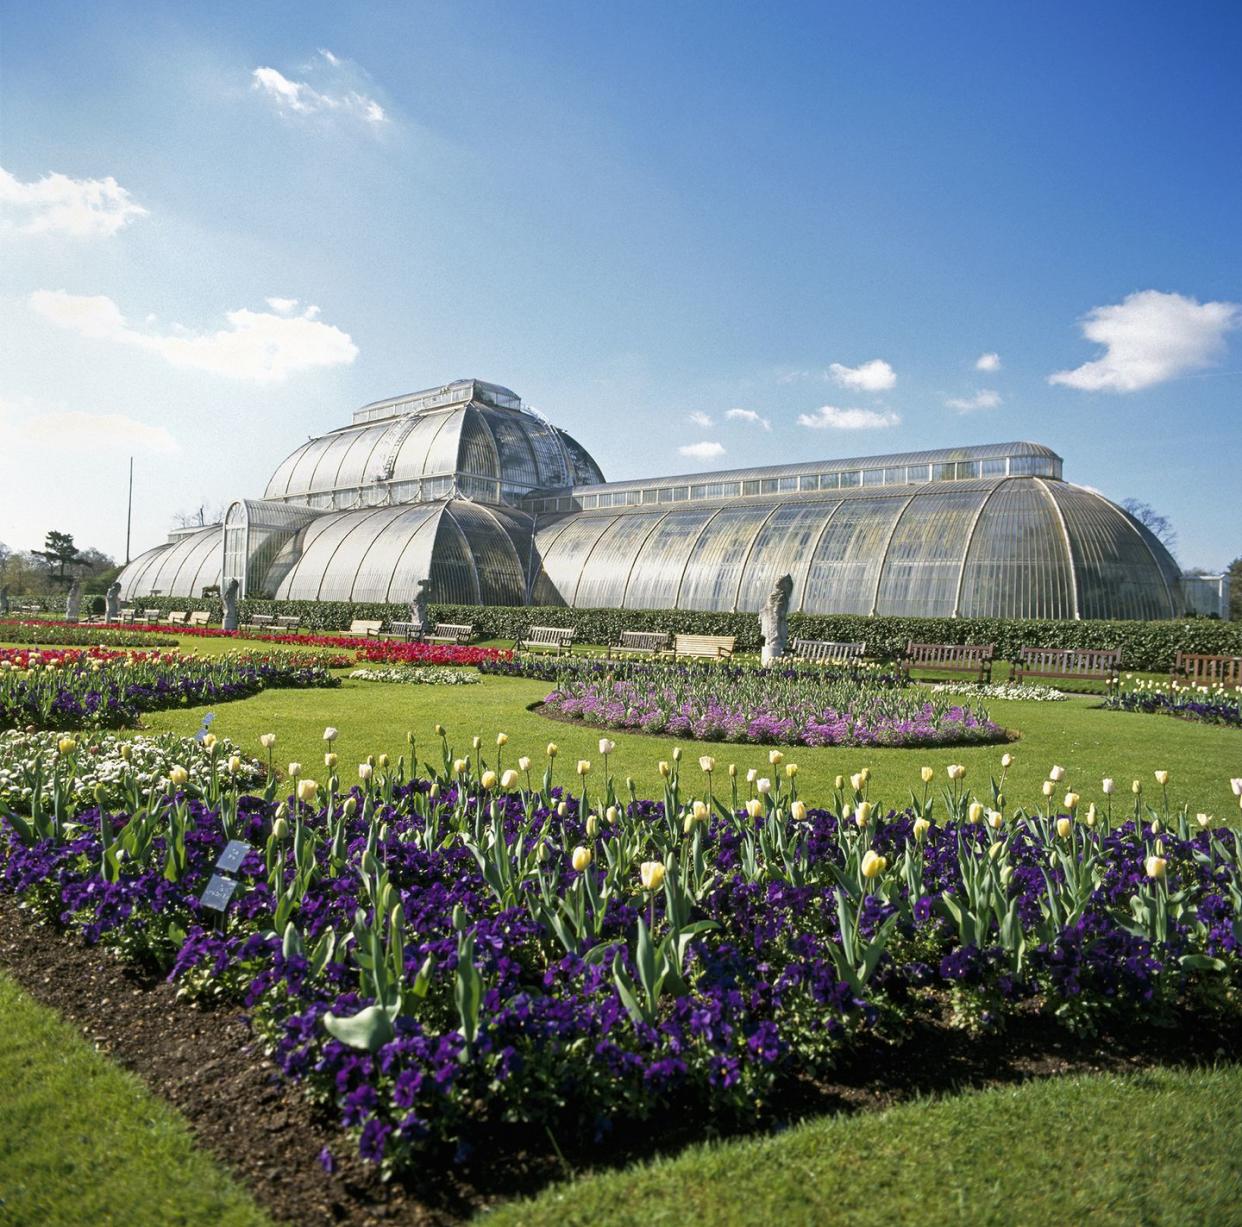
828,651
455,633
288,624
365,628
1070,664
1201,669
176,617
149,616
556,639
407,632
640,643
968,658
710,647
200,617
259,622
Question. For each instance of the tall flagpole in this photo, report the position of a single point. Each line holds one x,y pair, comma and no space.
129,511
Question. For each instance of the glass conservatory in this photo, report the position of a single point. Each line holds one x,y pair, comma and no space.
465,486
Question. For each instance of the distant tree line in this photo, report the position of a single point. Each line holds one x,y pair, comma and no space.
50,570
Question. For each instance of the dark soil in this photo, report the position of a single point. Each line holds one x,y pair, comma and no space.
270,1137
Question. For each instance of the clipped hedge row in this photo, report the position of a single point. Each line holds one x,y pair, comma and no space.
1144,645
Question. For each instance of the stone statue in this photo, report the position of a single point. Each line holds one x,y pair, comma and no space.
774,621
112,603
229,601
73,602
420,620
4,601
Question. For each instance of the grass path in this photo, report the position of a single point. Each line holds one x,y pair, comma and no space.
82,1142
1157,1148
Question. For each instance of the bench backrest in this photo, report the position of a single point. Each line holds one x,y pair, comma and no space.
261,619
365,626
1202,668
949,653
648,641
151,615
176,617
289,622
719,647
1072,662
199,617
562,635
828,649
459,630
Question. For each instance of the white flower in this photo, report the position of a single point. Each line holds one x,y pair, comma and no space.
606,746
329,734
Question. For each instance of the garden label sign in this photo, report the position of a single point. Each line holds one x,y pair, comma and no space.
232,856
219,890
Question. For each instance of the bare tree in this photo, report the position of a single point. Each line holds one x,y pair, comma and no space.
1161,527
206,513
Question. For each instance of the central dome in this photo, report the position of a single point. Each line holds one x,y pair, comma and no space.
466,438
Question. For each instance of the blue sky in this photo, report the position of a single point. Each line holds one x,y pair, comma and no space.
640,217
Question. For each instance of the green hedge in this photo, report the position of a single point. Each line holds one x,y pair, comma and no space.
1144,645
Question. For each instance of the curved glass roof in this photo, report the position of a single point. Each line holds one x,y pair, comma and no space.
183,567
471,438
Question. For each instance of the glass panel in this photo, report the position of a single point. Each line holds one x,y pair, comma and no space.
994,467
1017,565
808,483
843,573
873,477
918,472
829,481
783,546
565,550
849,479
943,472
966,469
894,477
1118,577
501,576
698,491
924,556
666,494
655,575
387,560
750,487
604,574
715,565
453,576
651,496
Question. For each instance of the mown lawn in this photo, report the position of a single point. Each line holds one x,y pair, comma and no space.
82,1142
1088,741
1161,1147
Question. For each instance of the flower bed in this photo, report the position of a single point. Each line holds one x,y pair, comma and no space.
411,675
479,948
1021,692
394,652
94,692
760,706
104,767
1202,704
74,634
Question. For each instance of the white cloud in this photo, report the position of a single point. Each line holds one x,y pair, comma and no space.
64,430
282,306
301,98
873,376
699,418
257,345
748,415
57,204
988,362
702,451
327,55
1150,337
828,417
985,398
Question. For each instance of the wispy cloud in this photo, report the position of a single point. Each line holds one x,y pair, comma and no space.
988,362
259,346
59,205
78,430
985,398
282,306
699,418
702,451
1148,338
748,415
342,96
873,376
829,417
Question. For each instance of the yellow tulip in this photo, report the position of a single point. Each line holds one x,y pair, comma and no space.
754,807
307,791
927,774
66,745
1071,801
663,768
552,750
1155,866
502,739
707,763
178,776
523,763
791,769
974,813
873,864
1162,778
329,761
234,764
797,811
488,780
592,826
652,874
862,815
1064,826
509,779
581,858
583,766
921,827
775,757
